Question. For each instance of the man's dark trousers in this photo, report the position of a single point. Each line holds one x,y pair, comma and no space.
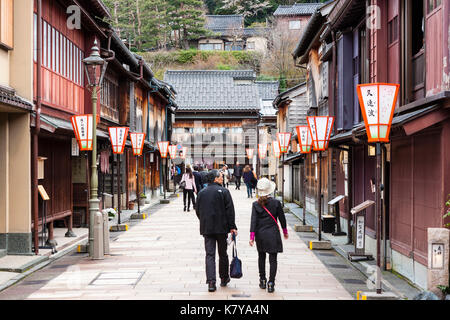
210,248
238,182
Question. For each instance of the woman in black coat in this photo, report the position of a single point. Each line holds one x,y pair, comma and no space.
265,230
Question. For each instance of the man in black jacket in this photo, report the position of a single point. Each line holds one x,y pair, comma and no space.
237,172
198,179
215,210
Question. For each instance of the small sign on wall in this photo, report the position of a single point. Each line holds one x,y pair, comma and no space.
437,256
75,148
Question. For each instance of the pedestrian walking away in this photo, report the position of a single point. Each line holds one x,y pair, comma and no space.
215,210
265,231
189,188
198,179
249,180
237,173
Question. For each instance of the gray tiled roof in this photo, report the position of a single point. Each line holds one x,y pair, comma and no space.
297,9
268,90
223,23
209,90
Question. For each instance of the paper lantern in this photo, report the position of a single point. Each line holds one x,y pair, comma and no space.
262,150
82,127
118,138
320,127
137,142
276,149
283,139
173,151
163,147
377,102
304,139
249,153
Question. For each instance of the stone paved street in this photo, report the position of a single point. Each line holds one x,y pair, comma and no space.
162,257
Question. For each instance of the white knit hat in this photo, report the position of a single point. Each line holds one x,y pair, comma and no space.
265,187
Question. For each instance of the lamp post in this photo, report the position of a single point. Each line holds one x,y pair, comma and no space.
305,142
137,143
163,150
377,102
95,68
118,137
320,128
283,140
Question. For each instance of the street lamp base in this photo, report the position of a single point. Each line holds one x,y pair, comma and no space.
320,245
360,295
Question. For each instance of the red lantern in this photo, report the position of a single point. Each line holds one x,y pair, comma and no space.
320,127
377,102
137,142
262,150
163,147
283,139
249,153
173,151
118,137
82,127
304,139
276,149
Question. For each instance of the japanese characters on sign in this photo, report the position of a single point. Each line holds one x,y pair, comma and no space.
437,256
320,128
360,232
284,138
377,102
137,142
118,137
82,126
304,139
163,147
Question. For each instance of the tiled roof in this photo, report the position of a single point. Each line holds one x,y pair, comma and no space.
297,9
210,90
9,96
224,23
268,90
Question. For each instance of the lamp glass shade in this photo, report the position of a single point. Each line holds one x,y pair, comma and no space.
377,102
320,128
82,126
163,147
249,153
276,149
304,139
262,150
283,139
137,142
95,66
173,151
118,137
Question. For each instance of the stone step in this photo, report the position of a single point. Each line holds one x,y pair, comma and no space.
20,264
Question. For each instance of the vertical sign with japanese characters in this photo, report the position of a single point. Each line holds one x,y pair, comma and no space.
369,96
360,234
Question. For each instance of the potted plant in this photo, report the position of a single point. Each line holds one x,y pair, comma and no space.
111,213
142,198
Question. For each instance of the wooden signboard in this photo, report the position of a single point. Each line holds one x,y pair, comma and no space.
43,193
335,203
360,226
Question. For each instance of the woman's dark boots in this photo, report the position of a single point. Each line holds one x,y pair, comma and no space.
270,286
262,283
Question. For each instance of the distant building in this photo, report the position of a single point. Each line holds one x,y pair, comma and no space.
218,114
293,18
227,32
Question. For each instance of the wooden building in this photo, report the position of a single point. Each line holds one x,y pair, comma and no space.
407,44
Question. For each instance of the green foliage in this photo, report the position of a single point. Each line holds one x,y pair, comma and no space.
224,67
447,215
186,56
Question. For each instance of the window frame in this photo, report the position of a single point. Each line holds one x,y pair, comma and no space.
296,21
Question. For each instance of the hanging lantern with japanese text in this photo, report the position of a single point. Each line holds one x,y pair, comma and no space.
137,142
304,139
163,147
377,102
283,139
82,127
320,128
262,150
173,151
118,137
249,152
276,149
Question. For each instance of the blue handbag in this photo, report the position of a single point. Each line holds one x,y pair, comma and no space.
236,264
